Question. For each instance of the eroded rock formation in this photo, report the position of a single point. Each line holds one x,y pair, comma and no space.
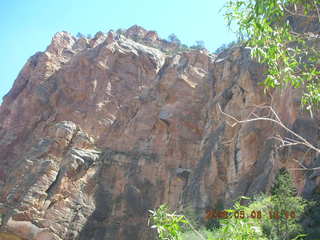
95,132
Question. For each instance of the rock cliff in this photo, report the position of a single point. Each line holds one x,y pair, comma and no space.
95,132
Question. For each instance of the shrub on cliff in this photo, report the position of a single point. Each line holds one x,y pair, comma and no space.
199,45
174,39
226,46
80,35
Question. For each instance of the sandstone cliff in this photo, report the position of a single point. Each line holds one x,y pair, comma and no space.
95,132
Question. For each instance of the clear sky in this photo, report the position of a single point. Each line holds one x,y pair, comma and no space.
28,26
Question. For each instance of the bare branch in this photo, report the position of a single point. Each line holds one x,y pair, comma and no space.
302,169
284,142
303,141
300,163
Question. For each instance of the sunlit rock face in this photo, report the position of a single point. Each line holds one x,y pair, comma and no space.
95,132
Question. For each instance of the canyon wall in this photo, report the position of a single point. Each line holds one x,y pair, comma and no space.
95,132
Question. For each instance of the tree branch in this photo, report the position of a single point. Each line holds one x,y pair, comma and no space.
285,142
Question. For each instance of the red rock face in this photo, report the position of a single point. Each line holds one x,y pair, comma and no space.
96,132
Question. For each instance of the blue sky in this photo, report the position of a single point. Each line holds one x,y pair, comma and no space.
28,26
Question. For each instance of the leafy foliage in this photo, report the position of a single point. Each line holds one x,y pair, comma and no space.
191,235
239,228
274,217
199,45
80,35
174,39
225,46
289,206
168,225
290,56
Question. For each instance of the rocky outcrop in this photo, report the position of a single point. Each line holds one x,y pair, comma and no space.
95,132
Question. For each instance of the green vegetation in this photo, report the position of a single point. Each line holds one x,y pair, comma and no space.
183,47
285,202
174,39
169,225
80,35
289,54
274,217
199,45
226,46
